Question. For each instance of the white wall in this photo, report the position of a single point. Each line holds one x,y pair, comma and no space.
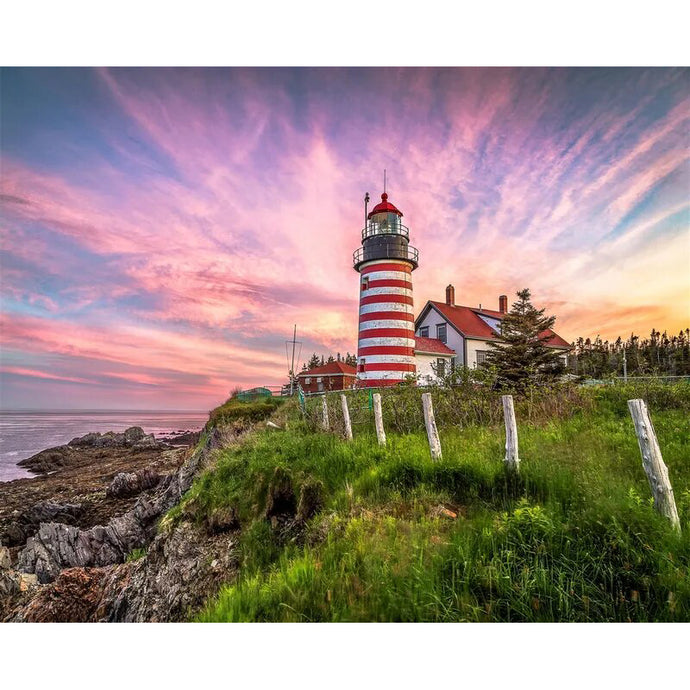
453,338
472,347
425,370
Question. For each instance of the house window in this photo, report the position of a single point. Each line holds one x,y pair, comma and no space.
319,383
441,332
424,332
440,367
307,380
365,283
481,356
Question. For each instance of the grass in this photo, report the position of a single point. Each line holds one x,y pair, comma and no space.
400,538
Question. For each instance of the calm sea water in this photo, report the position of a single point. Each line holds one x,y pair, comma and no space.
22,434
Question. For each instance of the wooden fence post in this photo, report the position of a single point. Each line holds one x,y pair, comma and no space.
512,461
324,410
653,463
378,419
431,430
346,417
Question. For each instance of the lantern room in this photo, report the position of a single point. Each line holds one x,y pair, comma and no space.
384,236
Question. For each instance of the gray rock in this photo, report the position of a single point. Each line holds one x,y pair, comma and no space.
50,511
181,569
132,483
13,534
87,440
48,460
57,546
134,434
147,441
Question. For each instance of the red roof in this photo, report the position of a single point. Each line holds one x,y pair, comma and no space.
431,346
332,368
467,321
384,207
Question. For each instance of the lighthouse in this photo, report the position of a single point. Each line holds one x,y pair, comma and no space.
385,261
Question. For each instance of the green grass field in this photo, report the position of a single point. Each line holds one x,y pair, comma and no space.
401,538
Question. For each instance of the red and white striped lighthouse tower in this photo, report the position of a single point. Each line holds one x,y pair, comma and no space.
385,261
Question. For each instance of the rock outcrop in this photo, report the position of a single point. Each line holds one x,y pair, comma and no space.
133,437
53,459
132,483
58,546
180,570
26,523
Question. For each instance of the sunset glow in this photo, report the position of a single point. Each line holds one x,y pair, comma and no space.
162,229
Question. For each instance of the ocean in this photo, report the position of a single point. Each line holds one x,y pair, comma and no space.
23,434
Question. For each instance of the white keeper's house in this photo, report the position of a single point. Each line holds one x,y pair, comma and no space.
466,333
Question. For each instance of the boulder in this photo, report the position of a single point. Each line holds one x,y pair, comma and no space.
131,483
134,434
147,441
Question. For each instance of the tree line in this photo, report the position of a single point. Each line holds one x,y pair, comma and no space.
319,360
657,355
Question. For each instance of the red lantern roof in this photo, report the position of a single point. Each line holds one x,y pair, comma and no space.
384,207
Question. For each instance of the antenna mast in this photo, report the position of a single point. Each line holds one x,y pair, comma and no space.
366,205
291,371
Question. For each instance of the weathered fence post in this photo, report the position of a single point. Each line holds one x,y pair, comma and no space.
512,461
346,417
431,430
653,463
324,410
378,419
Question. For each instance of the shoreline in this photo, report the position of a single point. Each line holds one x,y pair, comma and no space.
81,474
24,434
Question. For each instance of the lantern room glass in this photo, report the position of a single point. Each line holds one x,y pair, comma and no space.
384,223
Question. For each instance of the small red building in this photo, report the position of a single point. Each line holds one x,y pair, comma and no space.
334,376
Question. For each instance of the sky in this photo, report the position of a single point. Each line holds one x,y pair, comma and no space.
164,229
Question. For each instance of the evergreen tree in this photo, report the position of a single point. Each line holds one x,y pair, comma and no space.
523,357
314,361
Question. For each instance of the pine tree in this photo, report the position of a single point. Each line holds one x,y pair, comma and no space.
314,361
523,358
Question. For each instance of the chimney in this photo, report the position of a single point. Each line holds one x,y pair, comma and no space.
503,304
450,295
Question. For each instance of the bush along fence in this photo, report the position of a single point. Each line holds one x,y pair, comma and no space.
404,414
